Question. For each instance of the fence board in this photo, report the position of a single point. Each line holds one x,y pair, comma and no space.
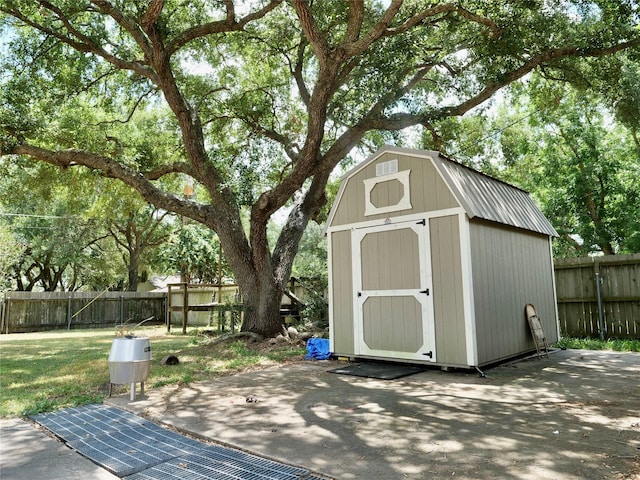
37,311
577,296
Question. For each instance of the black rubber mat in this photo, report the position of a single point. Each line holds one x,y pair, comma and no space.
134,448
383,371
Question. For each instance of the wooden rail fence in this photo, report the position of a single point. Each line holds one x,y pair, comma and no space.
37,311
619,294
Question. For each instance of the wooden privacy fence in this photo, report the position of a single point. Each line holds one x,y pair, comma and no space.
599,296
37,311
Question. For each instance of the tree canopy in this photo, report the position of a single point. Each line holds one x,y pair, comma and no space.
259,101
68,228
567,147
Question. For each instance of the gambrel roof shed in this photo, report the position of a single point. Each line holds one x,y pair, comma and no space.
432,261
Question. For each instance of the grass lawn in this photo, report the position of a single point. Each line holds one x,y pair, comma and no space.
45,371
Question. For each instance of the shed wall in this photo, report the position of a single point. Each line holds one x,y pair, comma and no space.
448,305
511,268
428,192
342,294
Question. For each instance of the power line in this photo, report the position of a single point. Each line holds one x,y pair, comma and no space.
35,216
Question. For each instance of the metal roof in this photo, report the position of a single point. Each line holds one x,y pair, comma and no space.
485,197
480,195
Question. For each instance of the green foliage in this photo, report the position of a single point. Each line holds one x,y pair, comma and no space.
10,252
310,268
616,345
195,252
580,163
75,229
59,246
568,148
137,229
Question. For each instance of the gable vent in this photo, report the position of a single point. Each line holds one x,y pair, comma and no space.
386,168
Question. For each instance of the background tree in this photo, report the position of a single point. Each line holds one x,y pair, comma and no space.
194,251
58,246
283,89
10,252
141,230
311,270
569,150
73,226
136,227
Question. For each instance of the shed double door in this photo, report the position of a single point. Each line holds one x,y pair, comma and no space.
393,307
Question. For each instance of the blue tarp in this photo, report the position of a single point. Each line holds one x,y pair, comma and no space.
317,349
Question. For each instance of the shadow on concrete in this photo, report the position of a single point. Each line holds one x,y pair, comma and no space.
574,415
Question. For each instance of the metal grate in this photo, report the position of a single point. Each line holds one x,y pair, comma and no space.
137,449
134,448
90,420
223,463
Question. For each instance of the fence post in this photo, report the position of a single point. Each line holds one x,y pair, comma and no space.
185,308
7,311
69,317
168,314
601,324
2,313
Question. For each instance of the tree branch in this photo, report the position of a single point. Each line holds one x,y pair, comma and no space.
127,23
79,41
112,169
151,15
229,24
354,23
400,121
311,31
297,73
176,167
133,110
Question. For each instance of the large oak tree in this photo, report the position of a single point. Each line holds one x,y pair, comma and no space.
264,98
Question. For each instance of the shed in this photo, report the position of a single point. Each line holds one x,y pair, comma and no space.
433,262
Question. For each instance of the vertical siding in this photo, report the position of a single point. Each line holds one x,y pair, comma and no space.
389,260
342,294
448,303
510,269
393,324
427,191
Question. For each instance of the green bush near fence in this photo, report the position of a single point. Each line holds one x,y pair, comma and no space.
617,345
40,373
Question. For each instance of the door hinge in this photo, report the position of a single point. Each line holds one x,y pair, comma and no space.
428,354
425,291
421,222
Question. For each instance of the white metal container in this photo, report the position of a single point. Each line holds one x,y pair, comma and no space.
130,362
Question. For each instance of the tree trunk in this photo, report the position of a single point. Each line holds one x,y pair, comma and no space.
261,302
132,284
